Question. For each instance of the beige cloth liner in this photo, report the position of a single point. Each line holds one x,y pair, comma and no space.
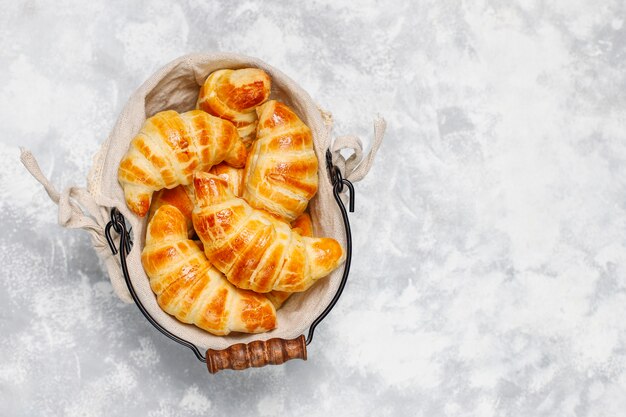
176,86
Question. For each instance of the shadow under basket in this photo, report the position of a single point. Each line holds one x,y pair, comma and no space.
258,353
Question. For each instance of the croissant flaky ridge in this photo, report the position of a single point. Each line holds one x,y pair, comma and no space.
281,170
254,249
232,176
233,95
170,147
304,226
190,289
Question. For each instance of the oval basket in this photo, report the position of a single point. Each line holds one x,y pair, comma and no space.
101,210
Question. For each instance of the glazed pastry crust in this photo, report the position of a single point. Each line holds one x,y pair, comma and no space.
304,226
233,95
232,176
180,197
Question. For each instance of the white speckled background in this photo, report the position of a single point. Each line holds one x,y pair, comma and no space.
490,237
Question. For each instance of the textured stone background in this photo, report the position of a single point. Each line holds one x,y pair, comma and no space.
490,269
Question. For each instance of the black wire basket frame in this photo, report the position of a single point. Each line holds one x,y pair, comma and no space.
118,224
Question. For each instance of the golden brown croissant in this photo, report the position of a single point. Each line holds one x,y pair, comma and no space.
170,147
232,176
190,289
180,197
252,248
278,298
303,225
233,95
281,171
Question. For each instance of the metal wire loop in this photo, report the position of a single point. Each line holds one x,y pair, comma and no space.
118,223
107,233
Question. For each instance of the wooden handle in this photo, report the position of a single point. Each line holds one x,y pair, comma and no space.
256,354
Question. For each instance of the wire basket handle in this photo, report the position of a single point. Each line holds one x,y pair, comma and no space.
257,353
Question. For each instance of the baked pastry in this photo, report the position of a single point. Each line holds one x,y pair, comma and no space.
170,147
281,171
252,248
278,298
304,226
190,289
180,197
233,95
232,176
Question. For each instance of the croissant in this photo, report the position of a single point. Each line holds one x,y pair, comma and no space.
232,176
190,289
281,171
233,95
303,225
278,298
252,248
169,148
180,197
